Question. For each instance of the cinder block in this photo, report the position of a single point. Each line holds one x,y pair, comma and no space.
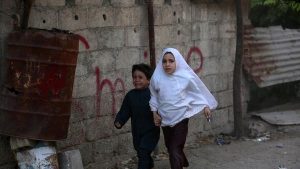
225,98
111,38
210,66
43,18
131,16
76,136
73,18
101,16
217,82
106,148
84,86
137,36
126,57
89,2
125,144
54,3
171,14
200,31
123,3
99,128
214,12
87,153
102,59
163,35
199,12
90,36
227,29
226,63
181,34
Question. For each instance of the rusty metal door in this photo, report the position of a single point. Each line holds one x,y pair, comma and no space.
37,93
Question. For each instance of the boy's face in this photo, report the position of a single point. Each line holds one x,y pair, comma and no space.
168,63
140,80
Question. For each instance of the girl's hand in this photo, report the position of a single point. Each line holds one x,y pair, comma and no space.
207,113
157,119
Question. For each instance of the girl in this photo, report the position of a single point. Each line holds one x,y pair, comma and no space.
177,94
136,106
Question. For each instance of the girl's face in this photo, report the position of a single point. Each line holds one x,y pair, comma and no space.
140,80
169,63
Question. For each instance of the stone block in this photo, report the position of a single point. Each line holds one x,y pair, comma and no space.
219,118
43,18
214,12
200,31
163,35
84,86
123,3
210,66
111,38
181,34
225,98
74,18
199,13
211,47
101,16
227,46
98,128
6,25
171,14
125,144
89,2
216,82
87,153
106,148
126,57
52,3
137,36
76,136
104,60
227,29
90,36
131,16
226,63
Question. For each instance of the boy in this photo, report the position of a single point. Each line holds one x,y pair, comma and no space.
136,106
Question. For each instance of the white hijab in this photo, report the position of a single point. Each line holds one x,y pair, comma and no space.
179,95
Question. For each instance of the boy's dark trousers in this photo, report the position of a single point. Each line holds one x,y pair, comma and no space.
145,159
175,138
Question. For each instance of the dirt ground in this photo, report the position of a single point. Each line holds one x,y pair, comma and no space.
277,148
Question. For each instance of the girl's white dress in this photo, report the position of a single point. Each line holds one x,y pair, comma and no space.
180,95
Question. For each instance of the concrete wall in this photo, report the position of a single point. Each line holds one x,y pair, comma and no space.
117,35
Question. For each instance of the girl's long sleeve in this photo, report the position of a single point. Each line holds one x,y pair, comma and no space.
154,96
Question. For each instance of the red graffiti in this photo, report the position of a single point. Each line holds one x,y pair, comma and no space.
100,84
198,52
53,82
84,41
145,54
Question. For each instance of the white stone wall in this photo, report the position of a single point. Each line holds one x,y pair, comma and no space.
117,35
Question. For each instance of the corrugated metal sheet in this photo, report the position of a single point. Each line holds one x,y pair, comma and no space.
272,55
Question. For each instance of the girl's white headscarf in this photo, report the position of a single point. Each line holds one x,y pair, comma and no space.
180,95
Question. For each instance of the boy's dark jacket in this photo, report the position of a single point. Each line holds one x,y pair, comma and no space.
136,106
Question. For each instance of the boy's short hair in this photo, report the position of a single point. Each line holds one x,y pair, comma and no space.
146,69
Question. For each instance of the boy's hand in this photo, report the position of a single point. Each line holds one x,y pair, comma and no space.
118,125
157,119
207,113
